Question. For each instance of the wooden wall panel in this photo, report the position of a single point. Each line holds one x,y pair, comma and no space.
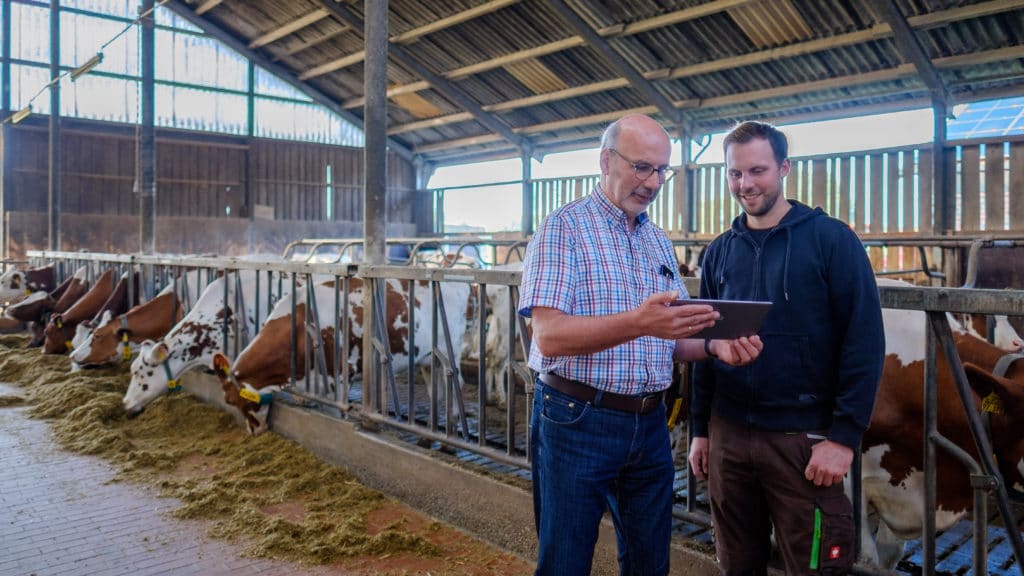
842,189
859,188
994,175
876,193
925,200
819,184
1016,206
970,193
893,194
908,198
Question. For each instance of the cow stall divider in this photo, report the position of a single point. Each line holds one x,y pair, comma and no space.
466,426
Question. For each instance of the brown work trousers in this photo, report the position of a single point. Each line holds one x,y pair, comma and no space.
756,481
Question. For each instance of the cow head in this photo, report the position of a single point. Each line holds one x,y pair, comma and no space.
253,404
15,283
151,377
104,345
12,285
58,336
1001,400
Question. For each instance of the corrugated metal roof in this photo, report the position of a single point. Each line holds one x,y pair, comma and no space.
714,62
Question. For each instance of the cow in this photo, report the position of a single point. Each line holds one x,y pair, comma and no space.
1004,335
115,305
15,283
148,321
193,341
61,327
264,365
36,308
891,450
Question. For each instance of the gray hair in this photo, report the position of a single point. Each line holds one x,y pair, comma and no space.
611,135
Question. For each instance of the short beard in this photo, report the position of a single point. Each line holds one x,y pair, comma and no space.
769,203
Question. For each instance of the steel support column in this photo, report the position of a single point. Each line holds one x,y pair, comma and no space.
375,125
53,229
146,173
526,156
248,192
5,103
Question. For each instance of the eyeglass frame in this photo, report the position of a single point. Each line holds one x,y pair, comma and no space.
665,173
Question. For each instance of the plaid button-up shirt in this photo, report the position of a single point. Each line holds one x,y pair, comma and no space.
584,261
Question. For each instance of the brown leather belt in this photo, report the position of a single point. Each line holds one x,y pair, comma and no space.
584,393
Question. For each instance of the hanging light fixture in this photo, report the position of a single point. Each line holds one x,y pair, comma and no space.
87,66
20,115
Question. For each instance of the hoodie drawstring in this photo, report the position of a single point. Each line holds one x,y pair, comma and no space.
785,268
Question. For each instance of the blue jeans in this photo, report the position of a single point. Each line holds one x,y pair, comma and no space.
586,458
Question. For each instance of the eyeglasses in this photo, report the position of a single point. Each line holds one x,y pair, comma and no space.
643,170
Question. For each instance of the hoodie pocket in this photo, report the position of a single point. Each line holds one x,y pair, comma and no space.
781,376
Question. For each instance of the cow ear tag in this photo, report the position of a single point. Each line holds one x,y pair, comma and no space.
992,404
160,352
249,395
222,364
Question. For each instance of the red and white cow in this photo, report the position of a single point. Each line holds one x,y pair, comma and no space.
264,365
62,324
1004,335
15,283
37,307
891,451
148,321
193,341
497,343
115,305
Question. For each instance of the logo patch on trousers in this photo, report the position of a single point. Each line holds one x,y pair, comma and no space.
833,553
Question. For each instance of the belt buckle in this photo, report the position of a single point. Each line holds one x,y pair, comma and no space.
643,402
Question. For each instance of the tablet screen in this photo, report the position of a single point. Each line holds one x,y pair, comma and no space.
738,317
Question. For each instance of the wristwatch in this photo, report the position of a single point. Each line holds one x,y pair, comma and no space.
707,349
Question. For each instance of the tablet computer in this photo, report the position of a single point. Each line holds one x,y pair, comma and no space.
738,317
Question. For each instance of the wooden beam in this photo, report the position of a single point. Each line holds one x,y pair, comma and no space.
535,52
802,48
310,43
289,28
328,67
464,16
672,18
207,6
521,103
430,123
603,118
459,143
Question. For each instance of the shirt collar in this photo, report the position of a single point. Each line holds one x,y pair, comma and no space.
613,212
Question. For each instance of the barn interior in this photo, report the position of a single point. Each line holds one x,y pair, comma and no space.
404,87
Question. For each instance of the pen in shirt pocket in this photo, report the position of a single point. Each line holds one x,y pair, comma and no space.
668,274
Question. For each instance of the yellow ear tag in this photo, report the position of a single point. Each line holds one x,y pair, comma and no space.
67,344
27,291
992,403
59,324
249,395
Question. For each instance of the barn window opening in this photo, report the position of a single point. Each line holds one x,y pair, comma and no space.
329,193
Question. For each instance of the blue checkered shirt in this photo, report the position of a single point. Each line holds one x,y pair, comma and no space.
584,261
